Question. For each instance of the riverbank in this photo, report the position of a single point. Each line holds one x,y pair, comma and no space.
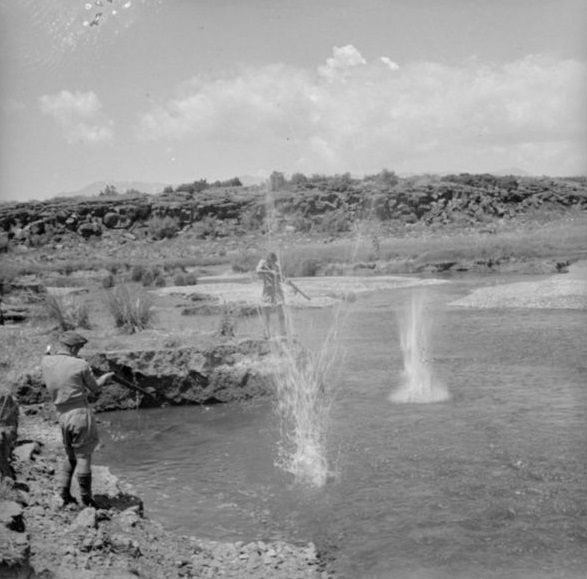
119,540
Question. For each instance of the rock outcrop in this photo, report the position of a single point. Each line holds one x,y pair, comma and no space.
169,376
326,204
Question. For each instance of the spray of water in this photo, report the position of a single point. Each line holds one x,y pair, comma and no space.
304,399
304,389
418,384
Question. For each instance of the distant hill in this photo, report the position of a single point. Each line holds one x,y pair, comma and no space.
94,189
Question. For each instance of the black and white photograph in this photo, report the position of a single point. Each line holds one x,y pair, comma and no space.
293,289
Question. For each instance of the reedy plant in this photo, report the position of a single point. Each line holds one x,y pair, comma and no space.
68,312
131,307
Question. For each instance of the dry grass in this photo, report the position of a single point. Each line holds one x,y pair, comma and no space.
131,307
559,238
69,312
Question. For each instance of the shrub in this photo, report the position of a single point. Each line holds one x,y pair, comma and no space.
131,307
4,243
179,279
113,267
227,326
245,261
108,281
301,267
162,227
67,269
148,278
191,279
185,279
68,312
159,280
137,272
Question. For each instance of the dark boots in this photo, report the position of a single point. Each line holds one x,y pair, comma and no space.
85,489
65,477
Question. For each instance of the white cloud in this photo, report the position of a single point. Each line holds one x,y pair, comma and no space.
79,115
344,59
389,63
353,115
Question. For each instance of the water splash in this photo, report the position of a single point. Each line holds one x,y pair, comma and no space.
304,399
418,384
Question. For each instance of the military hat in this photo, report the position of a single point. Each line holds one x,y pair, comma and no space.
72,338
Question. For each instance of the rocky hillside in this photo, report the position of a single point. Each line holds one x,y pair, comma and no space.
320,204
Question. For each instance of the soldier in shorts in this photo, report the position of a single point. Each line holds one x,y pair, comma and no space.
270,272
70,380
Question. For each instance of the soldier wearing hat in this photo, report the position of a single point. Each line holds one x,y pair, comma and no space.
69,380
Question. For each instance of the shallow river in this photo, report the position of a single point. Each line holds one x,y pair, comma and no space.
490,483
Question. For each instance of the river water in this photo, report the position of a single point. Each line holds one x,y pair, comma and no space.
491,482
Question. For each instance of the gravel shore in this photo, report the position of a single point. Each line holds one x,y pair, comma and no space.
562,291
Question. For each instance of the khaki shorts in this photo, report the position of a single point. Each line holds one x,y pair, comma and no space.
272,300
79,431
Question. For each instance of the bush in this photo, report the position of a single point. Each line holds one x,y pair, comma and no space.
108,281
137,272
301,267
245,261
131,307
148,278
185,279
68,312
4,243
159,280
162,227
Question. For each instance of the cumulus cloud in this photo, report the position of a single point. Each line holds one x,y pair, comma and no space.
389,63
343,59
79,115
353,115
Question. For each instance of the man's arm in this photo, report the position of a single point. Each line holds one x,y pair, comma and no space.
93,384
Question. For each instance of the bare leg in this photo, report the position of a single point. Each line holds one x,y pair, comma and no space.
281,318
266,312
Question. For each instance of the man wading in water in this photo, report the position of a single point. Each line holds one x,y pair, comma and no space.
70,380
270,272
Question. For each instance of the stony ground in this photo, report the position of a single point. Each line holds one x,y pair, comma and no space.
117,541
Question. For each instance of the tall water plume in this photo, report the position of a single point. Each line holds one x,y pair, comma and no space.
418,383
304,398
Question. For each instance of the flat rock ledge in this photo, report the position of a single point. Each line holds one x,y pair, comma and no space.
41,539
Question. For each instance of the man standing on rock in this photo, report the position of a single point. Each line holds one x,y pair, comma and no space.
70,380
269,271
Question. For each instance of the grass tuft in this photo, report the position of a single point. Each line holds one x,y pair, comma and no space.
69,312
131,307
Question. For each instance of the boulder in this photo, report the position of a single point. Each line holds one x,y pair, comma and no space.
89,229
111,219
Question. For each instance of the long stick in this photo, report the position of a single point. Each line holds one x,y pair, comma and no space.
128,384
297,289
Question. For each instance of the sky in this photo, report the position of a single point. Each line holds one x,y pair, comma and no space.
172,91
